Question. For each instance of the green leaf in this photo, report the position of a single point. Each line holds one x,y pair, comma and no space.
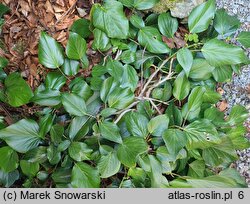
81,27
109,165
45,124
128,57
196,169
185,59
150,38
62,175
80,87
38,154
120,98
220,154
213,49
139,4
225,24
70,67
201,17
7,179
55,80
76,46
63,145
15,85
85,176
101,40
79,151
3,9
22,136
8,159
110,131
237,115
3,62
158,125
174,115
50,52
237,136
54,156
107,87
223,74
216,181
76,125
47,97
201,134
195,98
243,38
129,78
200,70
111,19
181,86
167,24
235,175
211,96
56,133
137,124
174,140
137,21
28,168
128,151
74,104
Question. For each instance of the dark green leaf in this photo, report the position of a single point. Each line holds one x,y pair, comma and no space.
62,175
7,179
53,155
85,176
79,151
55,80
195,98
47,97
110,131
185,59
137,21
243,38
3,9
129,78
167,24
70,67
76,125
28,168
120,98
50,52
3,62
181,86
81,27
196,169
22,136
80,87
158,125
101,40
8,159
201,16
74,104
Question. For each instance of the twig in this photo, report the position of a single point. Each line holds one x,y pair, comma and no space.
119,52
153,104
66,13
121,115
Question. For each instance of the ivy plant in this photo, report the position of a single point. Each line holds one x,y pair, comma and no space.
146,115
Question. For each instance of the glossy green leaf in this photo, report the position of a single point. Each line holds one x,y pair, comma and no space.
101,41
76,125
158,125
3,9
151,39
74,104
181,86
54,156
22,136
185,59
129,78
109,165
7,179
139,4
55,80
111,19
237,115
80,87
107,87
201,17
28,168
62,175
137,124
110,131
128,151
223,74
38,154
200,70
243,38
50,52
196,169
128,57
213,49
70,67
79,151
76,46
120,98
47,97
8,159
137,21
18,92
225,24
81,27
45,124
85,176
56,133
195,98
237,136
174,115
167,24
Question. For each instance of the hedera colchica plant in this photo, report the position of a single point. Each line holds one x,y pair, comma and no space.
145,117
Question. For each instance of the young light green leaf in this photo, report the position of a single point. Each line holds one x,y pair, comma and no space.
223,74
237,115
201,17
76,46
110,131
111,19
185,59
243,38
85,176
128,151
213,49
22,136
50,52
109,165
18,92
8,159
167,24
181,86
74,104
79,151
158,125
150,38
137,124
